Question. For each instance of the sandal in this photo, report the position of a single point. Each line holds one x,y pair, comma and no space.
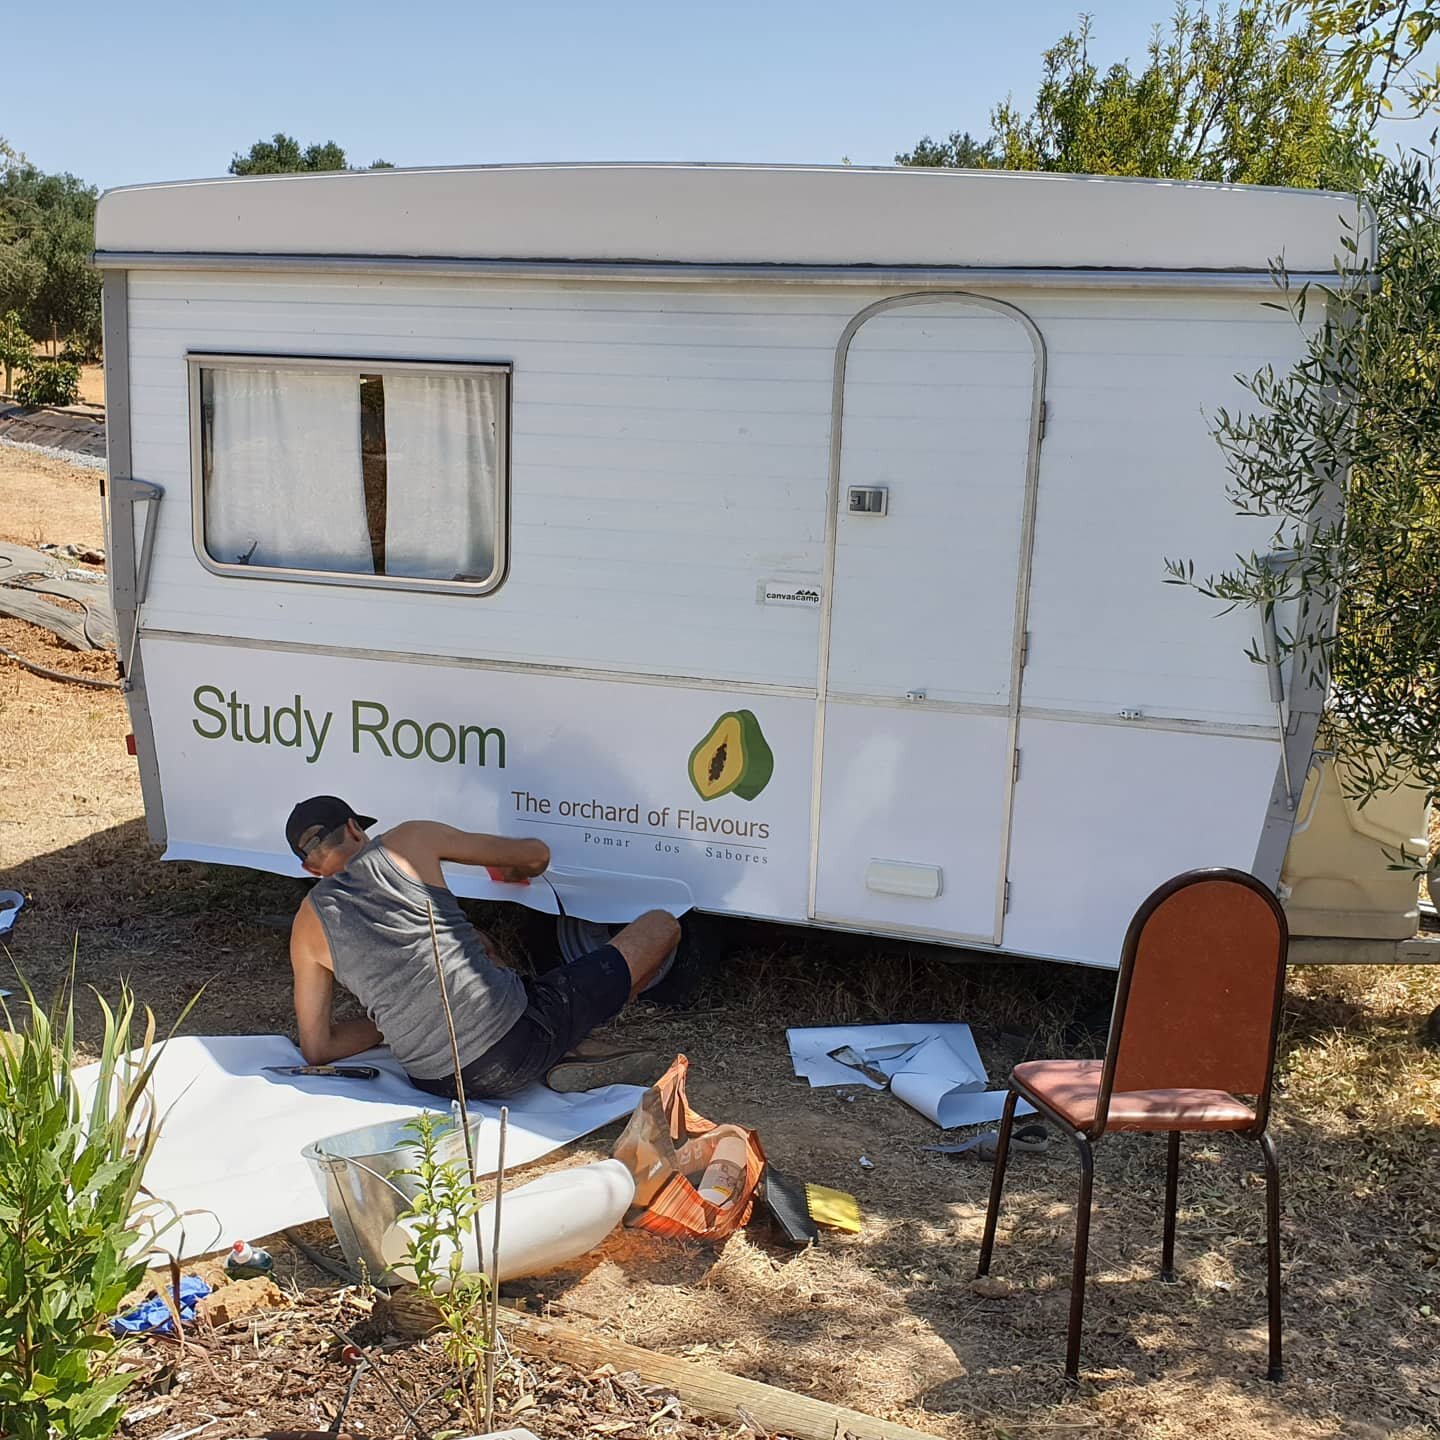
580,1071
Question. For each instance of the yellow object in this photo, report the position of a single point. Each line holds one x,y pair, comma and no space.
833,1209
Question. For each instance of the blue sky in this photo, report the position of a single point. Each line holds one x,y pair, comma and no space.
158,90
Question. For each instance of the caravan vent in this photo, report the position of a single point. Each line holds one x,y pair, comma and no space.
899,877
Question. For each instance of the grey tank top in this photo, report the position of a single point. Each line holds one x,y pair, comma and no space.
376,921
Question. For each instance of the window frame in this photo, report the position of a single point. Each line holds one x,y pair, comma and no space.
198,360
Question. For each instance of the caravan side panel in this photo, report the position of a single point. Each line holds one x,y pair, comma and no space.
244,732
670,468
1130,475
668,457
1148,741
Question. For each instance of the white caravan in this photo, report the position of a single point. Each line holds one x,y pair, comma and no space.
785,541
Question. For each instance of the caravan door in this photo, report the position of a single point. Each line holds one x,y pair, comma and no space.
936,426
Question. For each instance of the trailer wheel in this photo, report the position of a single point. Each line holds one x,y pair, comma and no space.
692,960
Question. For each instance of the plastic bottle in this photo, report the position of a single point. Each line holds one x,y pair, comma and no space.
245,1261
542,1224
725,1173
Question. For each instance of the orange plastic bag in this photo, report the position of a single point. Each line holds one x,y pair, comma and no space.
693,1178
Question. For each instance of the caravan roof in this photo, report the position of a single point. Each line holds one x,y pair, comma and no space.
735,215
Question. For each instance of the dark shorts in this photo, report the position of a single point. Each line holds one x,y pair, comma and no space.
566,1004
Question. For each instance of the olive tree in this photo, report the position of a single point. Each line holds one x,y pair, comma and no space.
47,233
1235,96
1341,455
1377,48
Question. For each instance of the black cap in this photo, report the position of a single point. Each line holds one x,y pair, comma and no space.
321,814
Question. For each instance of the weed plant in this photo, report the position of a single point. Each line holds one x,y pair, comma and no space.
441,1215
75,1227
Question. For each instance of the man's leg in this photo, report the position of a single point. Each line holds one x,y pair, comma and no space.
643,945
646,944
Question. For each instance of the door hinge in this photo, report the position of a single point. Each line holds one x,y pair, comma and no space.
1024,648
1044,417
1006,909
1015,766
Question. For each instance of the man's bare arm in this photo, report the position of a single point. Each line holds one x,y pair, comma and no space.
321,1039
423,844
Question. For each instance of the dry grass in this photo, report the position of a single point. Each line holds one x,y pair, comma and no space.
884,1321
46,499
92,384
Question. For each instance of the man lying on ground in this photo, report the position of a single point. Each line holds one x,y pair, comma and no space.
367,924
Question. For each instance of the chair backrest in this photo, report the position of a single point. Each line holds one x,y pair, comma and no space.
1202,978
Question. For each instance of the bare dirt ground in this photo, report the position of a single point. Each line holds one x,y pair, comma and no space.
48,499
885,1322
92,384
299,1365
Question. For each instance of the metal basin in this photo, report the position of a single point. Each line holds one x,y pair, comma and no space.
361,1179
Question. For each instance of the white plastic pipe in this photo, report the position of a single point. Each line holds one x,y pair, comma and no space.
547,1222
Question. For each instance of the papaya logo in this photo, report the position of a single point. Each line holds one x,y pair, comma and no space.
734,758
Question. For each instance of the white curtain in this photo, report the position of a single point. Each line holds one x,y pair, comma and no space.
442,468
284,484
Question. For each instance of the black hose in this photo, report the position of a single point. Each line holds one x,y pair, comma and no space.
50,674
320,1259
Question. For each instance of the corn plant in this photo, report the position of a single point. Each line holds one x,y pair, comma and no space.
441,1214
74,1229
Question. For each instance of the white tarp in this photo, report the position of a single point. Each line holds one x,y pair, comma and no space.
231,1141
934,1069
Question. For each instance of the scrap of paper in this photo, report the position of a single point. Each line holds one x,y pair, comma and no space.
883,1046
11,904
934,1069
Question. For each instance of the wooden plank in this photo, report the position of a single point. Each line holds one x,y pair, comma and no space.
699,1388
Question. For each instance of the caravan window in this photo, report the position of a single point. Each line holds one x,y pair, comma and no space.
351,472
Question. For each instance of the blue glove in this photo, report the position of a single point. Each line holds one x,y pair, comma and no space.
153,1316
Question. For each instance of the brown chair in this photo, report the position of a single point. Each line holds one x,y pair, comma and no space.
1197,1010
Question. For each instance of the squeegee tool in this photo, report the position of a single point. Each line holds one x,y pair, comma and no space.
852,1060
336,1072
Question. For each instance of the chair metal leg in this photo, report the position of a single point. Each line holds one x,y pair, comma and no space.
1276,1372
1082,1255
1172,1185
997,1181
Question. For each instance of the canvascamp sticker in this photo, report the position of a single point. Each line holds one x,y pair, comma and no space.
781,592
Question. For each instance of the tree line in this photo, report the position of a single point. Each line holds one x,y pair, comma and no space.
49,290
1238,99
47,231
